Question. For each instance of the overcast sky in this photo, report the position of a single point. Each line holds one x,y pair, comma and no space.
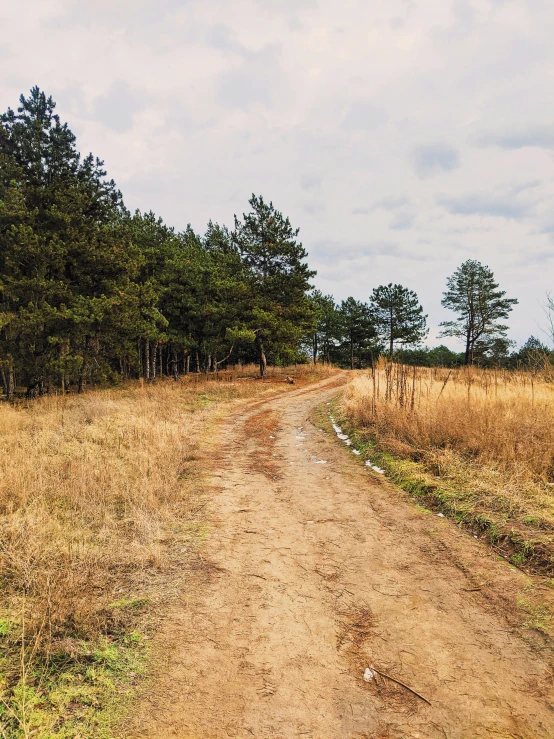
402,136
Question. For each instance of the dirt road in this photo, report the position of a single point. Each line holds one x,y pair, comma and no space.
314,570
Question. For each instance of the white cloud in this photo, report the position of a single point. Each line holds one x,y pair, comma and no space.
116,109
254,81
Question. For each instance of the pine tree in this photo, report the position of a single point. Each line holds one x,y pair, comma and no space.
359,337
278,279
398,316
474,295
326,331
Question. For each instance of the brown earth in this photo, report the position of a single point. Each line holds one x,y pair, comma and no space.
313,572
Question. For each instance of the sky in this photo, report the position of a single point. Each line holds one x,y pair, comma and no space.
403,137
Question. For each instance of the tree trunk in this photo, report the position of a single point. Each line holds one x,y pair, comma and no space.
261,356
187,364
5,382
9,382
175,363
197,362
147,359
351,354
315,348
468,349
391,342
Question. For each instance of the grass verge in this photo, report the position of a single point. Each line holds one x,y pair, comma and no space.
529,602
477,453
527,543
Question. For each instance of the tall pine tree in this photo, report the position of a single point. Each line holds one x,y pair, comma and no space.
473,293
278,278
398,316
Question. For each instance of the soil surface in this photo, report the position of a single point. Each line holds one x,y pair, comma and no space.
316,569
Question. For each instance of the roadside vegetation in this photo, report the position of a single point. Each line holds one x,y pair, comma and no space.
101,510
474,444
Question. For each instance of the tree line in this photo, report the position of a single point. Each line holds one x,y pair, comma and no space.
90,292
393,323
534,355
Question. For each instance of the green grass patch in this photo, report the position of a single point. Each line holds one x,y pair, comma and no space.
80,692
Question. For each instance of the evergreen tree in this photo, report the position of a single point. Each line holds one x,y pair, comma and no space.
359,338
493,353
326,331
278,277
474,295
64,263
438,356
533,354
398,316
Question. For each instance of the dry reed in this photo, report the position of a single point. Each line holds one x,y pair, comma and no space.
487,433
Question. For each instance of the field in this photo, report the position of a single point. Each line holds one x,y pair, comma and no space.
477,445
101,509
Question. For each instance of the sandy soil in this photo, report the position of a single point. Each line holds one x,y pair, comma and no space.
314,570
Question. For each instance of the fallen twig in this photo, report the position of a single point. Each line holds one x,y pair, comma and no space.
399,682
390,595
197,510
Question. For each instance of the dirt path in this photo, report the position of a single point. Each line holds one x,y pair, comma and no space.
314,571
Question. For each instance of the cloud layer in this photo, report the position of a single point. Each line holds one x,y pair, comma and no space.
402,137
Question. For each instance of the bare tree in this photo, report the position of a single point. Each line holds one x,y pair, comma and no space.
548,308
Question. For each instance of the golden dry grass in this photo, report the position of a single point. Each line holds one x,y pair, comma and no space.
485,437
100,506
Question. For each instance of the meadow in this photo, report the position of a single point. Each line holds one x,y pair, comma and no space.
475,444
102,507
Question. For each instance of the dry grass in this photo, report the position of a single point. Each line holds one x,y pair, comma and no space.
100,505
484,438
